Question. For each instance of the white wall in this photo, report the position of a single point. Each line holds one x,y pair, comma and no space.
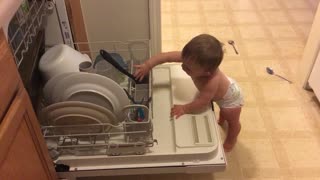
113,20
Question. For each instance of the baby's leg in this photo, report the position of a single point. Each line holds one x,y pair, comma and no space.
221,119
232,116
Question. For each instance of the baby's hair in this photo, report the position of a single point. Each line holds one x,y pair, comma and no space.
205,50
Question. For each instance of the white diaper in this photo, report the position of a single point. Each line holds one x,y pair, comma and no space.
233,97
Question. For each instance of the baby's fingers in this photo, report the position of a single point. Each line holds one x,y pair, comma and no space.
140,77
137,65
173,112
178,115
137,73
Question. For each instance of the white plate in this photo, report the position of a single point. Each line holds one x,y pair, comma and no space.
90,82
77,119
90,96
76,107
74,94
48,88
58,110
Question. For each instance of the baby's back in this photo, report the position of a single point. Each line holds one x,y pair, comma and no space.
223,84
219,80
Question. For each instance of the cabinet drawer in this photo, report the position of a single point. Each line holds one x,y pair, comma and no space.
9,76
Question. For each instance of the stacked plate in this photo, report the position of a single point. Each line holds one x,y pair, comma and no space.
79,99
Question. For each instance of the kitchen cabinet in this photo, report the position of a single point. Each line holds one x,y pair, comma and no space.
23,152
8,78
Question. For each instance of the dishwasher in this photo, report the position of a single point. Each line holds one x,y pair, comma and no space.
156,144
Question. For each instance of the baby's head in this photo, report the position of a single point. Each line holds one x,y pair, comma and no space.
202,55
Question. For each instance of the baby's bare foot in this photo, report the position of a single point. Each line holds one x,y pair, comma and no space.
228,146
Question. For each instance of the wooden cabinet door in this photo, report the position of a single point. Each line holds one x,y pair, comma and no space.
23,153
9,77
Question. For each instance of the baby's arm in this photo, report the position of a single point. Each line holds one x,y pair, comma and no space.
174,56
143,69
198,104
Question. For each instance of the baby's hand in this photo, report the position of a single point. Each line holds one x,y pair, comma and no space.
177,111
141,71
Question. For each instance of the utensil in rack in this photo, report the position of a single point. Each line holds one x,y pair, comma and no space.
135,102
115,64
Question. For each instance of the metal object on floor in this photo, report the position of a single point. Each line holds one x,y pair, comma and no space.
231,42
271,72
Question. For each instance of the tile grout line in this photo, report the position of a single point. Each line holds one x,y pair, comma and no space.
282,160
292,22
277,55
295,24
243,55
301,36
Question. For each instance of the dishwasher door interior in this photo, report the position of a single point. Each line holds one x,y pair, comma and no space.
190,144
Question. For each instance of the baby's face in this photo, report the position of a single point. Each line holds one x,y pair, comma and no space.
193,69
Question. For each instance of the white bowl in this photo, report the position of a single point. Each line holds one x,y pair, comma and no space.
60,59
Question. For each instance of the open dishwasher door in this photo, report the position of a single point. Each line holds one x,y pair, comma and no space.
190,144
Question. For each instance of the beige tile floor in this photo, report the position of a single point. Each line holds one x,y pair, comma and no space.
280,138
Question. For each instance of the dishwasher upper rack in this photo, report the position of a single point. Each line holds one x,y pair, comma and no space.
136,50
25,25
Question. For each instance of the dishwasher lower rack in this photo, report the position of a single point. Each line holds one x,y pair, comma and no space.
126,138
132,136
129,137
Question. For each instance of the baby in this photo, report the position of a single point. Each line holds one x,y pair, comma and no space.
200,59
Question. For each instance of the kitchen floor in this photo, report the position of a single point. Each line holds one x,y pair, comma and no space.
280,137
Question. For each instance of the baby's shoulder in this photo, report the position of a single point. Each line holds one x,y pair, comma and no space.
211,84
217,80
